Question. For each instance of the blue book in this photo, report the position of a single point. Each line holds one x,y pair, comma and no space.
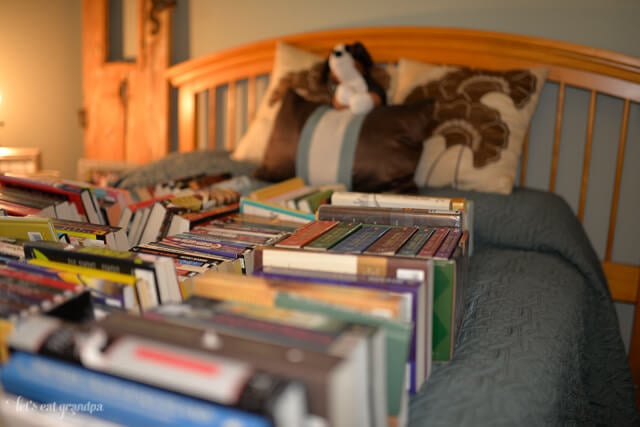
46,380
361,239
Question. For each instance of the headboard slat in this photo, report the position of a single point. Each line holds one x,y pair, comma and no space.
622,142
231,117
251,98
212,122
587,154
556,137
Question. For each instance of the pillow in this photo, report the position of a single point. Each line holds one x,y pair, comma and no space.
252,145
374,152
483,117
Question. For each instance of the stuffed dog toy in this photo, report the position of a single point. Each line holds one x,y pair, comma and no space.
349,69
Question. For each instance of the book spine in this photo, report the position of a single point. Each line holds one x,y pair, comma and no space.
392,241
115,399
214,239
391,216
200,217
218,249
272,210
361,239
416,242
276,189
306,234
332,236
449,244
431,246
351,198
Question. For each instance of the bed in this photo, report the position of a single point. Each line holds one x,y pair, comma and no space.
556,239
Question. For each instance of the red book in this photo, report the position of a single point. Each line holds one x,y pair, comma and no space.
433,244
306,234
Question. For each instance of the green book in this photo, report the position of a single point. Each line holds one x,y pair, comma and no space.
311,202
397,337
333,236
449,279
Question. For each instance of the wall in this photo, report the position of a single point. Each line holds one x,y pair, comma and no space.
610,25
41,79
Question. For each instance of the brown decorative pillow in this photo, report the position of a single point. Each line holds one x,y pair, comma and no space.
375,152
482,116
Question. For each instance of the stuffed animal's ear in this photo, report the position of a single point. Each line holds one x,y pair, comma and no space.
326,72
361,54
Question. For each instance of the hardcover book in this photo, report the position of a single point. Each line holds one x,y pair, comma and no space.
47,380
391,216
332,236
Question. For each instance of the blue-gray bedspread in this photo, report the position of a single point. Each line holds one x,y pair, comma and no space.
540,342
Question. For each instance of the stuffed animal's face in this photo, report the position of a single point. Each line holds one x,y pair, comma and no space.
343,65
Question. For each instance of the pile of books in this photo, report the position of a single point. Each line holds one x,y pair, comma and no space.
241,317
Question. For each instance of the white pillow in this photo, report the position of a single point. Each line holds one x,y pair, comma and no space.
253,143
483,117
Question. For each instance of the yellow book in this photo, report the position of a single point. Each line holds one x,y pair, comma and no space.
137,291
263,291
274,190
27,228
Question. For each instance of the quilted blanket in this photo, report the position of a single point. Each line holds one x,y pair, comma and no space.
540,343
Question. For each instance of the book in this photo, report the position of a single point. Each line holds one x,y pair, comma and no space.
159,271
391,242
306,233
391,216
313,201
207,214
391,200
331,237
112,237
416,242
273,190
431,246
248,222
28,228
273,210
358,264
114,399
263,291
328,380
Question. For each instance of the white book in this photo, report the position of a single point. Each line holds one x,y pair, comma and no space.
387,200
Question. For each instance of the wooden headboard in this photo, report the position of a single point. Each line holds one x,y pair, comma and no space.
594,71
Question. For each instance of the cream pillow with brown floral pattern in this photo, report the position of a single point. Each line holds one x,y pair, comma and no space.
483,117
